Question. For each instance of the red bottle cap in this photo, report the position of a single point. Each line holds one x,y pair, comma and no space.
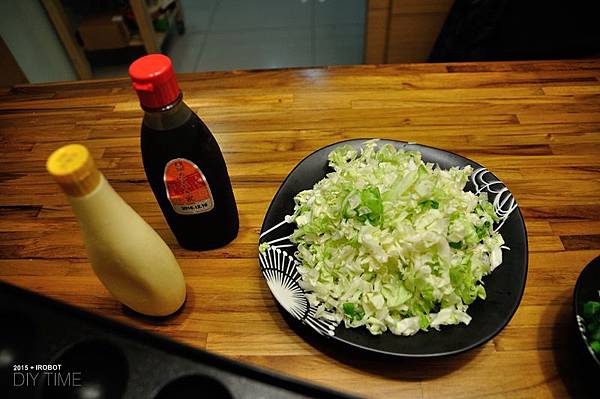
154,81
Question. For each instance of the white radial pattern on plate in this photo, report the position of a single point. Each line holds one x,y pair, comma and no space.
503,202
582,330
281,272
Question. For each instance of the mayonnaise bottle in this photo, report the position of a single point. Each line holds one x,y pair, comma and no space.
127,255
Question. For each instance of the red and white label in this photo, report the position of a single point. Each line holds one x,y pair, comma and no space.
187,188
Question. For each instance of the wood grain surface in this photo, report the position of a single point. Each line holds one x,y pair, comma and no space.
536,125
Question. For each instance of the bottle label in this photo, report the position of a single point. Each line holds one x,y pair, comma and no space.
187,188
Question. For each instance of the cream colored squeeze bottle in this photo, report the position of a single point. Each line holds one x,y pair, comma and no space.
127,255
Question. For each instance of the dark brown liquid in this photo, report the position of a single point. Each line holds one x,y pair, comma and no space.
191,140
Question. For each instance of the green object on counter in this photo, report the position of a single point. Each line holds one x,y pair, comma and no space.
590,309
161,24
591,314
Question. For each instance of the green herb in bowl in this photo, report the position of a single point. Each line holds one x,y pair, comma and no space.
591,315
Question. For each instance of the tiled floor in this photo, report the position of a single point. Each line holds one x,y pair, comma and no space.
260,34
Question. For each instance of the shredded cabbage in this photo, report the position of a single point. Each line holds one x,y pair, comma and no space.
389,242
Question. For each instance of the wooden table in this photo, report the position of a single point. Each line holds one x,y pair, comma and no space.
535,124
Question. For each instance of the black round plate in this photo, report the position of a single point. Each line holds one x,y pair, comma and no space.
504,286
587,289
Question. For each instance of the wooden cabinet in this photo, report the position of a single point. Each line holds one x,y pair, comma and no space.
148,37
403,30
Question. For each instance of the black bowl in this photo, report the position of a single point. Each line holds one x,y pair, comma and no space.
504,286
587,289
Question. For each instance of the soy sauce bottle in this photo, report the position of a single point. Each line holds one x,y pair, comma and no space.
182,160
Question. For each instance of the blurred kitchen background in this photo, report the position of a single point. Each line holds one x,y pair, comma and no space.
57,40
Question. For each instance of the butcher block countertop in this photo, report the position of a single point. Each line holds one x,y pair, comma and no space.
536,125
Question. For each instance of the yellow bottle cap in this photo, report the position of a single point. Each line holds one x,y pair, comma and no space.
74,170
